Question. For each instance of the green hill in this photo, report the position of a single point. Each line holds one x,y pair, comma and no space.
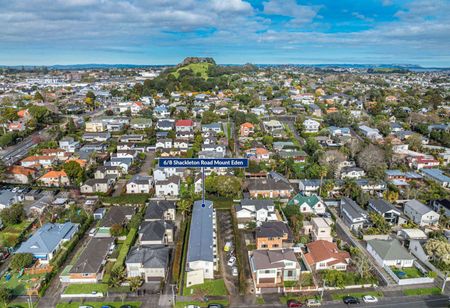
201,68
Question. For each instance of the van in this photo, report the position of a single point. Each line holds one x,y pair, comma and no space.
93,231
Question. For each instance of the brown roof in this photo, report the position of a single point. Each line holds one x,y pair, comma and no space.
21,170
319,251
265,259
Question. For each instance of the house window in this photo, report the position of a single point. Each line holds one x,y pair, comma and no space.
264,246
275,245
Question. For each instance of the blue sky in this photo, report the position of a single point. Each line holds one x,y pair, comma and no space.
45,32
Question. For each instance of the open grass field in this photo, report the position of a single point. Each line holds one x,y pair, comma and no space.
201,68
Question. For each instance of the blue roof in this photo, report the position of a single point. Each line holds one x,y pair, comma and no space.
201,240
47,238
436,174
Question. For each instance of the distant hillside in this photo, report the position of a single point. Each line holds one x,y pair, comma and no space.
196,68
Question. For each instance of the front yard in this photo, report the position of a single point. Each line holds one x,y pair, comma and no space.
214,287
86,288
223,302
422,291
407,272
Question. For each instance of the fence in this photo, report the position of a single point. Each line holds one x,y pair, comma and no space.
38,269
408,281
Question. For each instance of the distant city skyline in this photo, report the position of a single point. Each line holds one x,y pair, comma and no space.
49,32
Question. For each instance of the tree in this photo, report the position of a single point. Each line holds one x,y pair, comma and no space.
3,170
135,283
5,295
379,224
439,251
372,160
311,146
184,206
414,142
21,260
38,96
13,215
362,264
74,171
117,276
116,230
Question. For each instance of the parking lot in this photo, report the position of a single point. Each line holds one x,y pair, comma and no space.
225,232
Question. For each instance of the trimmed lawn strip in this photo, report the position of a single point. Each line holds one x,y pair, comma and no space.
301,298
98,304
223,302
214,287
422,291
86,288
357,294
125,248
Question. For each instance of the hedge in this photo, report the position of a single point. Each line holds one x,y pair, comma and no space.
129,241
126,199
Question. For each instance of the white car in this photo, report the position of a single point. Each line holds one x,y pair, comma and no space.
370,299
231,261
234,272
191,306
313,303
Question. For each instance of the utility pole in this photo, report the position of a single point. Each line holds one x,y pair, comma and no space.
173,295
323,289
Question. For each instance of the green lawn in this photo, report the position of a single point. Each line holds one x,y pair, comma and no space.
201,68
210,287
86,288
301,298
19,285
260,300
9,234
411,272
98,304
200,304
422,291
356,294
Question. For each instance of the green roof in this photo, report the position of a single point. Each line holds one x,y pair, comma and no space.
301,199
390,249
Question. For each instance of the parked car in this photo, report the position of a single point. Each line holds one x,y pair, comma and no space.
126,306
370,299
313,303
350,300
231,261
292,303
234,272
192,306
92,231
227,246
106,306
215,306
85,306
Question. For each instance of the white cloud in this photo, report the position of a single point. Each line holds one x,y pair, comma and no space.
300,14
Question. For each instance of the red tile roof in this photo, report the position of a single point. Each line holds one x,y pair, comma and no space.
184,123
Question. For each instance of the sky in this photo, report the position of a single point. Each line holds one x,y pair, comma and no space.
47,32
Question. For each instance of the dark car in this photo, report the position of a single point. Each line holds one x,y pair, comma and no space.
350,300
126,306
293,303
215,306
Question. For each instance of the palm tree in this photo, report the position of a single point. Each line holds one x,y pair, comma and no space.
135,283
184,206
322,172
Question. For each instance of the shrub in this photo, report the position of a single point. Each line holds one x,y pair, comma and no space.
21,260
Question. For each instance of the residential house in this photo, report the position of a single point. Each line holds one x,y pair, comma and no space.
140,123
55,178
308,204
37,161
352,173
148,262
140,184
89,266
390,253
168,187
69,144
389,212
156,232
202,246
273,235
246,129
420,214
160,210
21,175
97,137
269,187
324,255
321,229
311,126
352,214
255,211
438,176
97,186
441,206
370,133
45,242
8,198
95,126
116,215
184,126
215,127
272,268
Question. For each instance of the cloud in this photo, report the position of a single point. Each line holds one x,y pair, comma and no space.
300,14
362,17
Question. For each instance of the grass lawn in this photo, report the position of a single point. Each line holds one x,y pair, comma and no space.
224,302
12,232
411,272
260,300
301,298
86,288
422,291
98,304
210,287
357,294
19,285
201,68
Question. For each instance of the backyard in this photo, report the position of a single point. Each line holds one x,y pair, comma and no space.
9,236
20,285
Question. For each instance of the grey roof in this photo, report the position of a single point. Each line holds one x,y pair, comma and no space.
154,230
265,259
140,179
352,208
201,240
116,215
7,197
267,184
274,229
149,256
382,205
257,202
156,209
47,238
92,257
419,207
390,249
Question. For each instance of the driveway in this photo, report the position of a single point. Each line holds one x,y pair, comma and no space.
147,165
225,232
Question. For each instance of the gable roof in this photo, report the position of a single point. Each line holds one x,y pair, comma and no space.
156,209
274,229
200,246
92,257
149,256
116,215
321,250
382,205
390,249
419,207
299,199
265,259
154,230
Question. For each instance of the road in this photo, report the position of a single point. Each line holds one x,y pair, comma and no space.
410,302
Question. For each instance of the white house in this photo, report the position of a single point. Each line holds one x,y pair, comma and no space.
255,210
420,214
168,187
140,184
311,126
390,253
